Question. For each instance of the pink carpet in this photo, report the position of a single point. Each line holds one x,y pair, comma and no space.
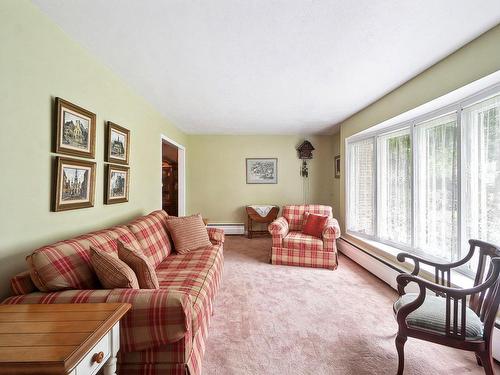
292,320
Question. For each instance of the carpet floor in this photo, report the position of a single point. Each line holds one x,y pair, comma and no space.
293,320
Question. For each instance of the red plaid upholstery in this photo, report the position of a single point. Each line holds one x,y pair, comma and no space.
304,258
196,273
66,264
65,296
294,215
292,247
301,241
22,284
216,235
152,236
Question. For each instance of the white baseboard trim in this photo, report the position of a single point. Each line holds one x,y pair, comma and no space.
387,273
229,228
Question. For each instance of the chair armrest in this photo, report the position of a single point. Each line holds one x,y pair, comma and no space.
157,317
278,227
216,235
332,229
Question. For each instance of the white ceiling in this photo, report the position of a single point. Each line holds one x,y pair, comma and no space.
268,66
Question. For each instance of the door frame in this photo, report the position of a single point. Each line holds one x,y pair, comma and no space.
181,163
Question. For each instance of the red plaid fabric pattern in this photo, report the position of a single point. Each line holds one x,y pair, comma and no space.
22,284
301,241
278,229
66,296
304,258
196,273
216,235
295,214
330,235
66,264
152,236
157,317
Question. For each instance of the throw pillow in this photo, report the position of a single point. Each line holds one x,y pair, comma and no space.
188,233
314,224
140,264
111,271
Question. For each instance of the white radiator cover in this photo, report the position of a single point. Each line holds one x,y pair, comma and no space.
388,274
229,228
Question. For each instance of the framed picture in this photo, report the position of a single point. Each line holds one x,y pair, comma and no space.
262,171
337,166
117,184
75,130
117,144
74,184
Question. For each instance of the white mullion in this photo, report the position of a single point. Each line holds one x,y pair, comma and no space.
413,184
460,180
375,188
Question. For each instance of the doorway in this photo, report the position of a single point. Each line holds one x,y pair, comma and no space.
173,172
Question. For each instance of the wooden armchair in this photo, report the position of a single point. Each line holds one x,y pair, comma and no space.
446,318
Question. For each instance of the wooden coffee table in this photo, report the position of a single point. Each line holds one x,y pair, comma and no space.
71,339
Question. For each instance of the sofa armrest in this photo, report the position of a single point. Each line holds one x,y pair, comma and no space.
330,234
278,227
216,235
157,317
22,284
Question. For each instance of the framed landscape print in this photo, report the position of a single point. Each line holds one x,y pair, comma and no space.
75,183
262,171
75,130
117,184
337,166
117,144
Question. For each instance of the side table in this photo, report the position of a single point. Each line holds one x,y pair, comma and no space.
253,216
73,339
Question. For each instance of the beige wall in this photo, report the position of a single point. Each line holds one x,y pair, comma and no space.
216,174
336,181
38,61
475,60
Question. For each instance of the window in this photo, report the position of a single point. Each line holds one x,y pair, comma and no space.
362,197
430,184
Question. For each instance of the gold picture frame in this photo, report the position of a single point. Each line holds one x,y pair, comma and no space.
74,184
117,144
74,130
117,184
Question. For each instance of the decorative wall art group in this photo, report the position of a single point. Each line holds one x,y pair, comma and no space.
74,182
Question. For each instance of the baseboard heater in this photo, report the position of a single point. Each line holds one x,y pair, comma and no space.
387,272
229,228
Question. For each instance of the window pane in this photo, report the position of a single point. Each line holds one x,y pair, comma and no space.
394,203
481,134
361,187
437,187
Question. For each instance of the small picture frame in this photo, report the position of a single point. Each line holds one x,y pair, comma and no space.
262,170
74,184
117,144
337,166
117,184
75,130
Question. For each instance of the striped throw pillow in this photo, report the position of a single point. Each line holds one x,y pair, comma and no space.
111,271
140,264
188,233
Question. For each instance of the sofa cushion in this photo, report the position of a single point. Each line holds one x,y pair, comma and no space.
314,224
188,233
111,271
431,315
140,264
301,241
196,273
294,214
66,264
152,236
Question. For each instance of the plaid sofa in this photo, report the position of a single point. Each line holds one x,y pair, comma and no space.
166,329
293,248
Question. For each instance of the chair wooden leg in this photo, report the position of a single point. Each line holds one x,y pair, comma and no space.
400,344
485,359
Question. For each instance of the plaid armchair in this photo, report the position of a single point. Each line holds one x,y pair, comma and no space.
293,248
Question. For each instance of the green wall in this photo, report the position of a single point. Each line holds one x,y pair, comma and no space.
38,62
472,62
216,174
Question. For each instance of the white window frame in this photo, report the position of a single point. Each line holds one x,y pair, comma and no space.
455,107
